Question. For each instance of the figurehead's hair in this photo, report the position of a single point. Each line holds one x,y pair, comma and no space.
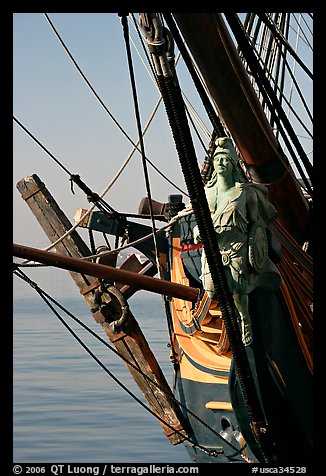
224,144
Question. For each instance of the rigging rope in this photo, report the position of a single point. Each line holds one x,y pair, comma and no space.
300,32
272,79
258,47
135,146
181,133
68,232
102,102
47,298
108,187
92,196
106,253
193,115
186,57
124,22
270,24
282,96
270,97
42,146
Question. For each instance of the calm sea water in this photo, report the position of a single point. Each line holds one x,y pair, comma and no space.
68,409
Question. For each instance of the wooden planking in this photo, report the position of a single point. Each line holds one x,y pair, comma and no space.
131,344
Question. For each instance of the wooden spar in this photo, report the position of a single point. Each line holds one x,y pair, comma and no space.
237,102
101,271
130,343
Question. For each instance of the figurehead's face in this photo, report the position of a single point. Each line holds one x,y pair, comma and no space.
225,158
223,164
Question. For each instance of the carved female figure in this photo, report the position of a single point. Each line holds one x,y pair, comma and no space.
240,212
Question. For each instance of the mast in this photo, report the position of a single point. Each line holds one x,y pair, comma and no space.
237,102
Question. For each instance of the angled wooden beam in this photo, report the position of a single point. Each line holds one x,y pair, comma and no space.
130,343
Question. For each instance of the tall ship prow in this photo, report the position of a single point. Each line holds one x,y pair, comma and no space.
233,258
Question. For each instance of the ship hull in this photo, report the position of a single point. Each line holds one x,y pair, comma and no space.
284,393
213,424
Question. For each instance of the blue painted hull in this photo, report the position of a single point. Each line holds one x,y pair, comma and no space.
194,395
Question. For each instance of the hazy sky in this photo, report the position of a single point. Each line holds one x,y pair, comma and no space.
55,104
52,100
